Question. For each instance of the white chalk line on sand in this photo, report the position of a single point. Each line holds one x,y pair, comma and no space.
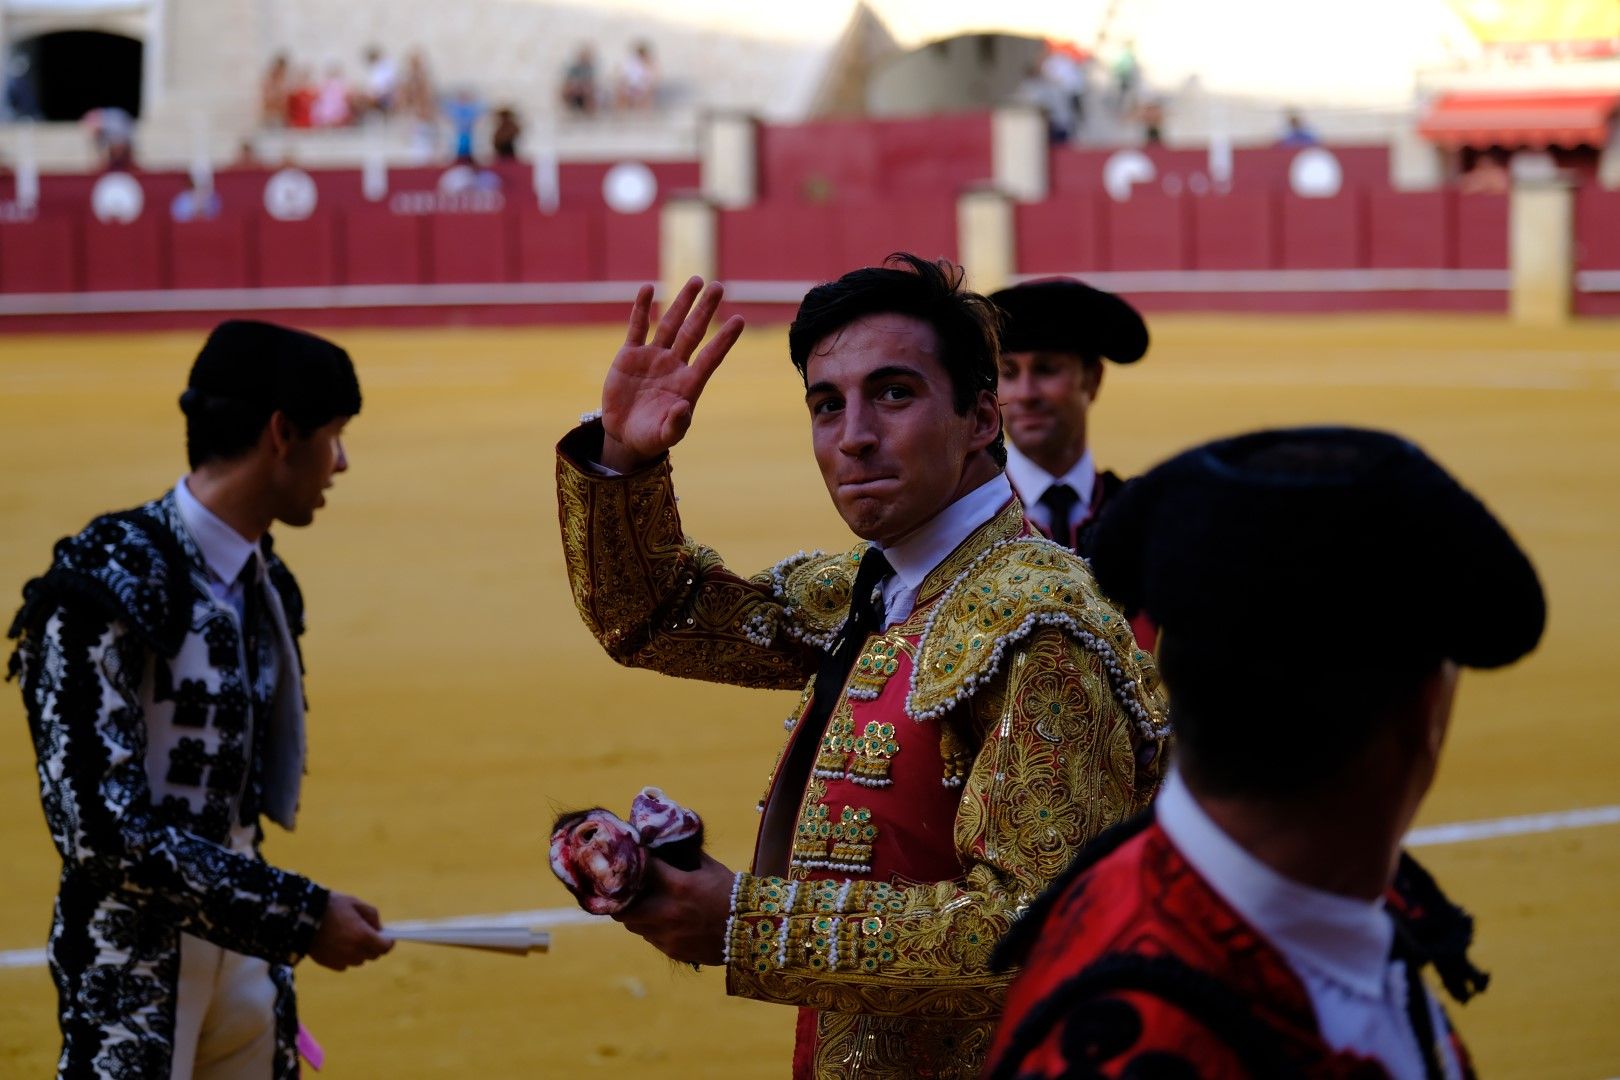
1431,836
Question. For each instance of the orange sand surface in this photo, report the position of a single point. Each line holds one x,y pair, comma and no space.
458,704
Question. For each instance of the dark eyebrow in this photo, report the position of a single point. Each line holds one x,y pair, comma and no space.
891,371
888,371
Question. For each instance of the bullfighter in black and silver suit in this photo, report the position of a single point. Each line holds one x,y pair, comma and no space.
160,669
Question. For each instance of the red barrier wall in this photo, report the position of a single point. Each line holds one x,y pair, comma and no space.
120,257
382,248
1149,231
1239,231
42,256
1482,231
1322,233
216,254
1411,229
839,160
294,253
1066,235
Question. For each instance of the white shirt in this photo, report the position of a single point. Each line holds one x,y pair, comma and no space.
224,550
1338,945
1031,482
915,556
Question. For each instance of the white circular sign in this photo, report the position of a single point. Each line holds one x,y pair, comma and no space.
290,195
1315,173
117,197
1124,170
629,187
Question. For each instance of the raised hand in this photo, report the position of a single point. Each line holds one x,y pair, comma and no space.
653,386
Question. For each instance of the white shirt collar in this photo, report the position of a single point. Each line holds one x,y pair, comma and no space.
1031,480
224,550
926,548
1338,938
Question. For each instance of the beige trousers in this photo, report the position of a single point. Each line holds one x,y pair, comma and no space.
225,1015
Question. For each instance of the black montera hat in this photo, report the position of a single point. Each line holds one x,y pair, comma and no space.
264,367
1320,542
1064,315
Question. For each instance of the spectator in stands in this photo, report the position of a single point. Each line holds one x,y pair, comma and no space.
508,130
301,99
382,82
20,101
1053,100
334,99
463,110
1151,117
275,92
579,83
113,130
1068,67
638,79
247,156
1295,131
1487,175
417,98
1127,76
199,202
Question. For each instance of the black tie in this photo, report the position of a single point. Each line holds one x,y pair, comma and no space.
1059,501
865,616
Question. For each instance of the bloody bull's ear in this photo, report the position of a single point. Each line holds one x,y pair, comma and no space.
599,858
602,859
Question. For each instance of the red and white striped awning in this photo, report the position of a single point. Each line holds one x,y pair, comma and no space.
1536,119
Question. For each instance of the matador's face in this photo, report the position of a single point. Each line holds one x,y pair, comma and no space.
892,448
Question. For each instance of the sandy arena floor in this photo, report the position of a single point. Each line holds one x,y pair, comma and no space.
457,703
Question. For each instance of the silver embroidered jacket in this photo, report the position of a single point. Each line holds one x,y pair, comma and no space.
120,637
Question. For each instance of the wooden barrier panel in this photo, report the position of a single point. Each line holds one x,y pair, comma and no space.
1411,229
292,253
1061,235
782,241
125,257
1320,234
1149,231
43,255
471,247
1482,232
214,254
630,246
383,248
870,232
1235,232
1597,229
565,246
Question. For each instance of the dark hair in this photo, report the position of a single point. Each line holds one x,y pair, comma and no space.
246,372
964,322
1248,725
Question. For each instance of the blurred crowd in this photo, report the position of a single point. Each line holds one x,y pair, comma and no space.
457,121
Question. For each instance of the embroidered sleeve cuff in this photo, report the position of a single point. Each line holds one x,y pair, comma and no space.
817,926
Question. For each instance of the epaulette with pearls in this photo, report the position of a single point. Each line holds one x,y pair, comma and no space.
1004,595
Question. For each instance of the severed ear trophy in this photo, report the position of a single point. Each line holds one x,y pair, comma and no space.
602,859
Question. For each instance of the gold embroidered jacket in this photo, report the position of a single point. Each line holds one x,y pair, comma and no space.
975,747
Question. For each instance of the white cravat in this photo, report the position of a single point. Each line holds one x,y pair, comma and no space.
916,556
1339,946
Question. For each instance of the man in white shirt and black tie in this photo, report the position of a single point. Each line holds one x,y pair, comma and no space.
1055,335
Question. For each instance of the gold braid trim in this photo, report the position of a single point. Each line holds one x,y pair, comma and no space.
998,600
656,599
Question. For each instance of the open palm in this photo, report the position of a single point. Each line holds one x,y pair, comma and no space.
653,386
